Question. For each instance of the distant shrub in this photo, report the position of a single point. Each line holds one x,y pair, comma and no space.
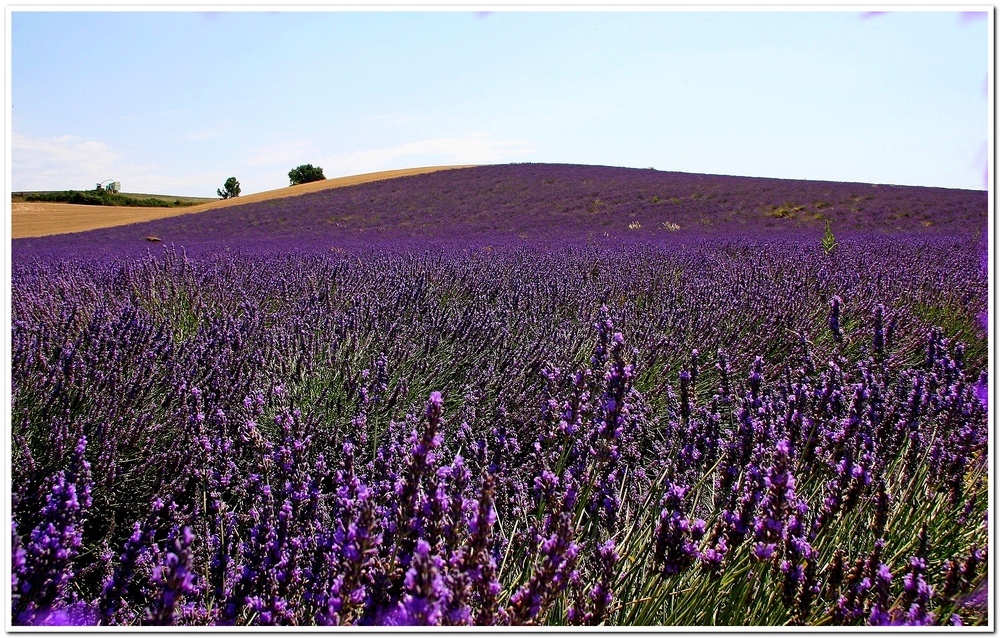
671,226
230,189
101,198
635,225
305,173
829,242
785,210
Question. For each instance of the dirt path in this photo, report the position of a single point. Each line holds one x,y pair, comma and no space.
38,219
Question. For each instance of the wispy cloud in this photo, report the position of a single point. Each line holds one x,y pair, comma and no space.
474,148
74,163
152,179
71,162
60,162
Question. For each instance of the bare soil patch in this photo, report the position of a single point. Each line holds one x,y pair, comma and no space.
38,219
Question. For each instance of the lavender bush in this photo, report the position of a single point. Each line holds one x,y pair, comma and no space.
693,429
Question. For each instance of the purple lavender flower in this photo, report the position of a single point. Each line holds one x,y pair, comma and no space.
17,563
555,559
982,390
356,541
713,557
685,379
479,561
676,536
849,607
917,594
173,580
835,305
722,367
878,339
776,509
979,598
603,591
592,608
425,590
117,588
880,592
739,521
78,614
809,590
55,541
881,504
409,488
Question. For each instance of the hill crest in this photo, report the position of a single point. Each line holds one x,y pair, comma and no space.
527,202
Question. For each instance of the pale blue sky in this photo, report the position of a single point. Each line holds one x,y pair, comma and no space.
176,102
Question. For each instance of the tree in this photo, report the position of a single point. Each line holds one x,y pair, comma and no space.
230,189
305,174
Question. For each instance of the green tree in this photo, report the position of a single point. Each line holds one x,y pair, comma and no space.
230,189
305,174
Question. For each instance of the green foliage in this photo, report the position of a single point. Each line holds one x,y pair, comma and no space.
230,189
785,210
102,198
958,323
829,242
305,173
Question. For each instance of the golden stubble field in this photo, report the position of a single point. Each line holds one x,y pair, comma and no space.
38,219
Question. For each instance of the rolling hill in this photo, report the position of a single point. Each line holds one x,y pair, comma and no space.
37,219
535,202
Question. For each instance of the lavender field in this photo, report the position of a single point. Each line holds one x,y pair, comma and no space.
509,395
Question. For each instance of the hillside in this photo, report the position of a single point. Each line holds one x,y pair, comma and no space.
540,202
39,219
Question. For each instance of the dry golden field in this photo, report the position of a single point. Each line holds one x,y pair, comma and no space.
37,219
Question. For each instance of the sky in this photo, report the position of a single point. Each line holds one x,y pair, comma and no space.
175,102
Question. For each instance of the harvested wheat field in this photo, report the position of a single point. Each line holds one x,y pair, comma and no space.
38,219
